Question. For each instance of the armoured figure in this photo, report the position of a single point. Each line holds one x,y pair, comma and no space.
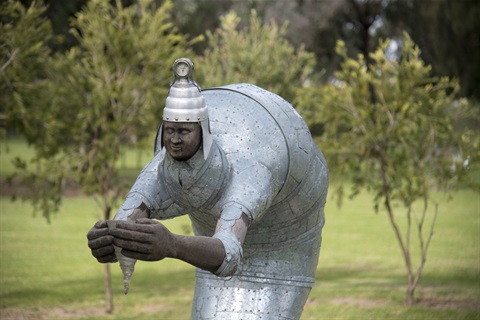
254,188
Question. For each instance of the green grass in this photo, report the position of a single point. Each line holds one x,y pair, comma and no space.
46,266
47,269
361,274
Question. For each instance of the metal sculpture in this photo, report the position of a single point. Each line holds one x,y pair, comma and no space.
254,188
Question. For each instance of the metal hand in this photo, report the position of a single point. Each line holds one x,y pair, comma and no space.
101,243
145,239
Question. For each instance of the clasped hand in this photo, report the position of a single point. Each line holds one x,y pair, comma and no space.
144,239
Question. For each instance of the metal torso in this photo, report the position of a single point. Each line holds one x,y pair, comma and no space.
279,178
280,253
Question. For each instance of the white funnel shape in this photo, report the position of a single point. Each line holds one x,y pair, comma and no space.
126,264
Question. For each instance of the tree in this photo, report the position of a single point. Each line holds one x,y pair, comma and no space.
447,33
59,13
401,146
320,23
23,52
195,17
103,94
258,54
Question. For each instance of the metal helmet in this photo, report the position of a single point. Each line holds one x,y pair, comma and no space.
185,102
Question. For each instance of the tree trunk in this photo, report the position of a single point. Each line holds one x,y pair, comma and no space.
107,275
108,289
411,294
404,245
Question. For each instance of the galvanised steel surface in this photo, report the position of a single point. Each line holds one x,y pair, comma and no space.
262,162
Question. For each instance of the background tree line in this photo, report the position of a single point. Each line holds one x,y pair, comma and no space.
445,31
81,79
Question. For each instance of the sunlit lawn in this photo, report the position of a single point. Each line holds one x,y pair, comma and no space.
47,271
47,268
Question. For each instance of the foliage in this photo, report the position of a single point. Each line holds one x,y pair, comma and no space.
389,126
95,98
194,18
259,55
23,52
356,23
99,96
59,13
447,33
23,81
409,125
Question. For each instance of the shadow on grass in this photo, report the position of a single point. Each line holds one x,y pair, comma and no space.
376,286
358,272
144,285
468,276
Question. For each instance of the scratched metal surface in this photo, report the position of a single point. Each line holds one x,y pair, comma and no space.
262,159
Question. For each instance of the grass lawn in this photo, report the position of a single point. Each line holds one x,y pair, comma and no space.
47,271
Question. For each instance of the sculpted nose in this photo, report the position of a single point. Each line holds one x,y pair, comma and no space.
176,138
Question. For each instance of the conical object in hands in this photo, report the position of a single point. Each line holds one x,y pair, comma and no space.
127,265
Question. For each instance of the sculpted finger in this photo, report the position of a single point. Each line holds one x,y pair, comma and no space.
107,259
100,242
131,235
103,251
139,227
131,245
136,255
101,224
97,233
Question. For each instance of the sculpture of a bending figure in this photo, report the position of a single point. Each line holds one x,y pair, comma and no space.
241,163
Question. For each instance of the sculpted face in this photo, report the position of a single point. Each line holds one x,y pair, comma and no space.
181,139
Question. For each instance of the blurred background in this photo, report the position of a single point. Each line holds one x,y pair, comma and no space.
388,88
